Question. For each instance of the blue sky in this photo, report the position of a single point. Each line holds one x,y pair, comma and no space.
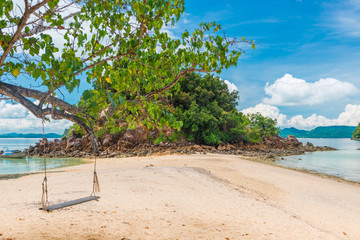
305,71
311,40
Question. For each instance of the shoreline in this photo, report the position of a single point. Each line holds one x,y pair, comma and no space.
259,159
208,196
311,172
55,169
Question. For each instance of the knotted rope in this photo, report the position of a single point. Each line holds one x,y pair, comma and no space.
44,198
96,185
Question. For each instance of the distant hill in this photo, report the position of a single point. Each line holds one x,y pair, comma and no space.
29,135
320,132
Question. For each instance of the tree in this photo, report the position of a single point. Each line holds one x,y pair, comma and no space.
263,126
356,133
95,34
208,110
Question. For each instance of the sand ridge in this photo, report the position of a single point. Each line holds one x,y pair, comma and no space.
182,197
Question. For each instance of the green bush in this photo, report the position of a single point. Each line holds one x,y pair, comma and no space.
264,126
208,111
356,133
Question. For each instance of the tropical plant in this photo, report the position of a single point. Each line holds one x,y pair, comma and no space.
263,126
95,34
356,133
208,110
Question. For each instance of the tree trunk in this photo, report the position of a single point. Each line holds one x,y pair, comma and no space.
69,112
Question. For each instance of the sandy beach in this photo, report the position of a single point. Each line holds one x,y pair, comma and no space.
182,197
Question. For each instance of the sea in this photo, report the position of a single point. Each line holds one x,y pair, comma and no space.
343,163
16,167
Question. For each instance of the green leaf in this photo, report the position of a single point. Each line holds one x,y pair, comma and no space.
15,72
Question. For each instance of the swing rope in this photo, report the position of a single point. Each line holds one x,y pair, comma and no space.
96,185
44,198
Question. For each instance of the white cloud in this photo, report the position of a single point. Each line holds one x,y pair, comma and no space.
291,91
267,111
232,87
15,118
350,117
8,110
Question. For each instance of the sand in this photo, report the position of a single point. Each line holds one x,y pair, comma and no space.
182,197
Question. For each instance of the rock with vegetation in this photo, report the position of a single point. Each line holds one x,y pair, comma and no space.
210,123
95,37
208,112
356,133
269,148
200,109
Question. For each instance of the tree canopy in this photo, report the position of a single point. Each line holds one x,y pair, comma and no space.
95,35
208,110
356,133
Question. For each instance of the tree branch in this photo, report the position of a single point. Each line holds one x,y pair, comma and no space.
73,118
100,51
38,95
20,27
114,57
177,78
19,95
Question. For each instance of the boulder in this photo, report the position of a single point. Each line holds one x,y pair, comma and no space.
109,140
293,140
196,148
138,135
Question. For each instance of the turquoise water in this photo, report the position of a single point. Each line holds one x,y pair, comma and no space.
19,143
10,167
344,163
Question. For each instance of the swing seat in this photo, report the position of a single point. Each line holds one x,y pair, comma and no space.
71,203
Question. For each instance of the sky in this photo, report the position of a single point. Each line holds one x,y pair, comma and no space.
305,70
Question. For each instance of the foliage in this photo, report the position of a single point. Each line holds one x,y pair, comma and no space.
129,32
263,126
356,133
208,111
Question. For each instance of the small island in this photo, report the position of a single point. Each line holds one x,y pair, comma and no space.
356,133
157,142
30,135
320,132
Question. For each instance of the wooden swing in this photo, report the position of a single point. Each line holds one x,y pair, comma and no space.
45,198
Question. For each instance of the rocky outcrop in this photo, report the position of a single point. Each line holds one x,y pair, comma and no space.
133,143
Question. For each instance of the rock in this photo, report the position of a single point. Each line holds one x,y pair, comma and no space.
137,135
293,140
226,147
196,148
109,140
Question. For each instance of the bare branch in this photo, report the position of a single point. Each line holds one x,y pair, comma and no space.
26,4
